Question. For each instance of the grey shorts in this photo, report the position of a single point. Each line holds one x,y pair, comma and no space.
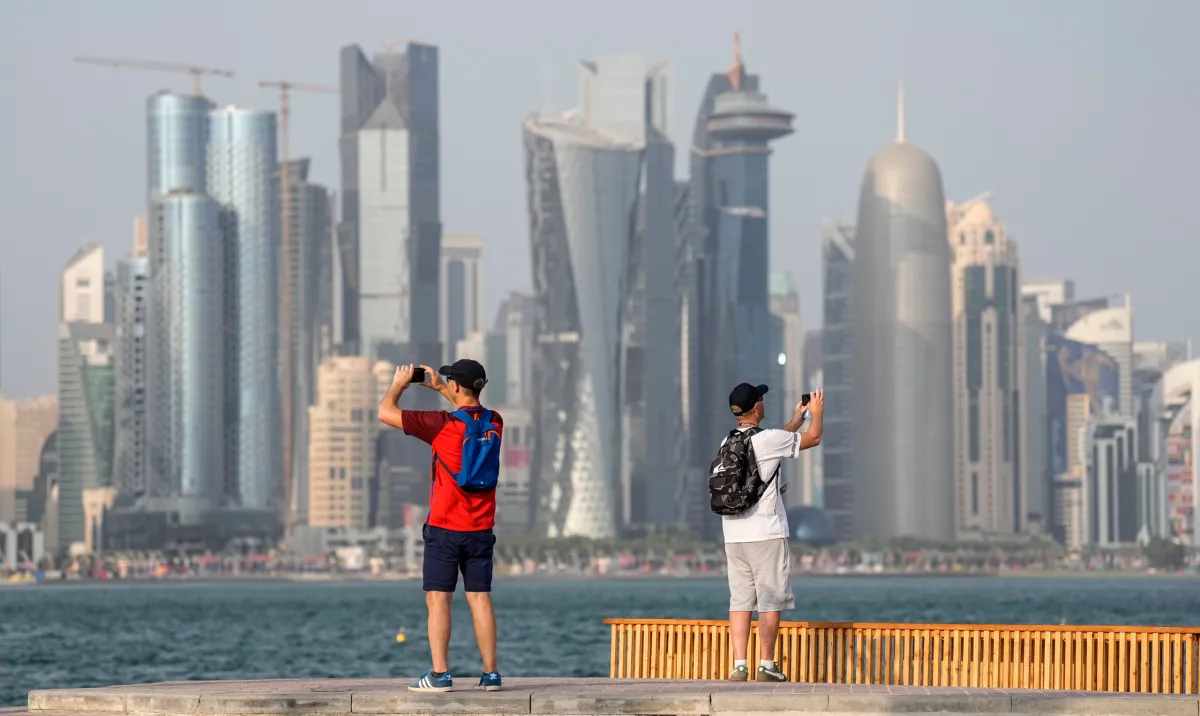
760,576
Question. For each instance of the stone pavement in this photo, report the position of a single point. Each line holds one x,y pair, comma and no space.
580,697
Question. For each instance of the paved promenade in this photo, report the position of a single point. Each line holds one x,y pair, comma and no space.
583,697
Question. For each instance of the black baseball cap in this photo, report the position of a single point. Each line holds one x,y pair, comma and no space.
743,398
466,372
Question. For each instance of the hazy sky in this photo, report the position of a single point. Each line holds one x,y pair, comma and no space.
1082,115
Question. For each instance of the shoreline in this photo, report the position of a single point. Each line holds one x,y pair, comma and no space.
345,579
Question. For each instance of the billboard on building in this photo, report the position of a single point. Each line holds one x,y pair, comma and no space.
1074,368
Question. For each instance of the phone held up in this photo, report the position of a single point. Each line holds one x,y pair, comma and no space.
804,399
419,377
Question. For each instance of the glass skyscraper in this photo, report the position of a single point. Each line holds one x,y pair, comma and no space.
242,161
309,269
391,232
132,298
583,192
729,253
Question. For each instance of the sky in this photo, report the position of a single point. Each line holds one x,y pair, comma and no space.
1082,116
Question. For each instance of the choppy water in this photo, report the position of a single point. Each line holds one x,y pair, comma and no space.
99,634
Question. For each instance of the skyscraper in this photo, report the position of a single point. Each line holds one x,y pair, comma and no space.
391,232
903,437
389,239
583,189
183,231
85,389
731,148
309,270
241,162
132,294
837,372
461,289
1111,330
603,229
988,378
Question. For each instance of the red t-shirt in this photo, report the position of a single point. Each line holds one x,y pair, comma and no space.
451,507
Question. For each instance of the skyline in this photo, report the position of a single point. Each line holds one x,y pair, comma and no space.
1087,129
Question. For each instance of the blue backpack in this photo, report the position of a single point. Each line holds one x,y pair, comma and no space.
480,452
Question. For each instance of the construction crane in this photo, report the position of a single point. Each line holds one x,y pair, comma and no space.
285,206
195,71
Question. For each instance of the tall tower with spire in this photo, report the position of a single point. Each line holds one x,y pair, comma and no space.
903,410
727,309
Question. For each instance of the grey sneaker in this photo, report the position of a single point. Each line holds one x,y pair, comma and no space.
739,673
772,674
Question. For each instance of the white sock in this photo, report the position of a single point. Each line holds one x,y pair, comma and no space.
739,662
768,664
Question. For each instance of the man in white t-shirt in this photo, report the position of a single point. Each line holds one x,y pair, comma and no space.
756,541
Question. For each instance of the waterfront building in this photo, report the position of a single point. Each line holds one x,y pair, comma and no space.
1111,330
241,161
177,150
342,489
602,218
390,235
728,252
1036,480
309,273
902,338
1082,385
580,271
837,370
132,297
516,320
988,375
86,383
1173,488
193,461
461,286
24,427
1100,507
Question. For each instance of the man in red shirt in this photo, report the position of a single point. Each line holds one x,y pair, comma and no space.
458,532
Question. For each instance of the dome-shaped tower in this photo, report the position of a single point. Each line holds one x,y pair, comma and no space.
902,434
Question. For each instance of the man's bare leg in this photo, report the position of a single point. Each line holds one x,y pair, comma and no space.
438,604
484,618
739,633
768,630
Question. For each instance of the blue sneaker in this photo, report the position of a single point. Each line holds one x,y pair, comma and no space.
432,684
489,681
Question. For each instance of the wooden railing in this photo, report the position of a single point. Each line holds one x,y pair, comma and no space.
1159,660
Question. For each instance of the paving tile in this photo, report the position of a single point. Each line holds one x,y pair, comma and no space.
768,702
162,701
662,703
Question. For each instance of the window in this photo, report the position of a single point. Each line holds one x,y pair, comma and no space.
989,238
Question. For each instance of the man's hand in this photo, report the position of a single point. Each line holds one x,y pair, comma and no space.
432,379
816,402
403,377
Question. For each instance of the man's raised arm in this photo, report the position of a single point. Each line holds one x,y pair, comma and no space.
389,408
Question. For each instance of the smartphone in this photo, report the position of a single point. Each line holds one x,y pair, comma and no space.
419,377
805,398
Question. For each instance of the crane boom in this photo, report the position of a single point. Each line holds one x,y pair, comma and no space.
196,71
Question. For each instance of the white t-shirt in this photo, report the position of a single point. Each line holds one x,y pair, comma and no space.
767,520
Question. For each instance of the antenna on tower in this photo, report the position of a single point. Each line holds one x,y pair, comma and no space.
900,114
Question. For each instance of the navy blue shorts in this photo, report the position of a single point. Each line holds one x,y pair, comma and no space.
448,552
